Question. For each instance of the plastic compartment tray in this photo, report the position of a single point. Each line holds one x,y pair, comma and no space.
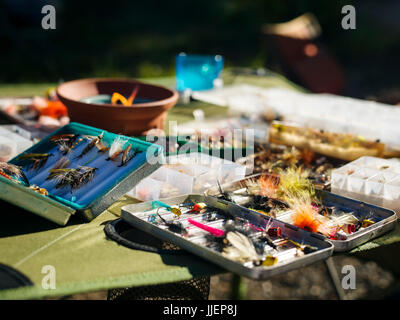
207,167
108,185
163,183
386,218
136,215
187,173
370,179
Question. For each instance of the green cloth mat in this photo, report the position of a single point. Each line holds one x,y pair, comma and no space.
85,260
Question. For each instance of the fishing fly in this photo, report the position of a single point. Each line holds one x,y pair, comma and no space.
62,163
174,226
214,231
69,138
84,176
127,155
35,160
63,176
158,204
66,142
267,185
200,207
223,195
13,172
240,248
116,148
93,142
37,189
74,178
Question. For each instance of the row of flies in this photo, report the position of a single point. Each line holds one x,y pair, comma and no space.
240,240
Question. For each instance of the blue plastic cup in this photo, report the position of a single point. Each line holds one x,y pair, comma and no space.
197,72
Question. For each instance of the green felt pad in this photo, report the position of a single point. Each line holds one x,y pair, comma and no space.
85,260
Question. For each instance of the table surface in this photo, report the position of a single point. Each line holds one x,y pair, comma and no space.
85,260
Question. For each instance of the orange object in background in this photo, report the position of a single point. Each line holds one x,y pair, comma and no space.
54,109
133,95
118,97
126,102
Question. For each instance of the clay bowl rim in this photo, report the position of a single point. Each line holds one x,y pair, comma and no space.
153,104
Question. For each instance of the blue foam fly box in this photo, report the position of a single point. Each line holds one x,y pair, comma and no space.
111,179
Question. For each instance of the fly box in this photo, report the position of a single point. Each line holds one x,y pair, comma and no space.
349,222
78,169
228,235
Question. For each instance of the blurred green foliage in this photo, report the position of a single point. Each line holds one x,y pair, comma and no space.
141,38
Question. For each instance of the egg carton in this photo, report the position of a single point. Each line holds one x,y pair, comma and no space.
370,179
185,174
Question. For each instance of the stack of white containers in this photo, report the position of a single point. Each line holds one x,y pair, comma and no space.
328,112
190,173
371,180
333,113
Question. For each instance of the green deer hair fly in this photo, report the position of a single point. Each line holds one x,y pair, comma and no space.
294,181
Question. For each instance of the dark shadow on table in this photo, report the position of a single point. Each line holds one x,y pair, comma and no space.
170,254
197,288
17,221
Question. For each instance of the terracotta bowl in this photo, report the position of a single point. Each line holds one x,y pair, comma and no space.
133,120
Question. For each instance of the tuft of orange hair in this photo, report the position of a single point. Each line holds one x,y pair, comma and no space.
305,217
268,185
